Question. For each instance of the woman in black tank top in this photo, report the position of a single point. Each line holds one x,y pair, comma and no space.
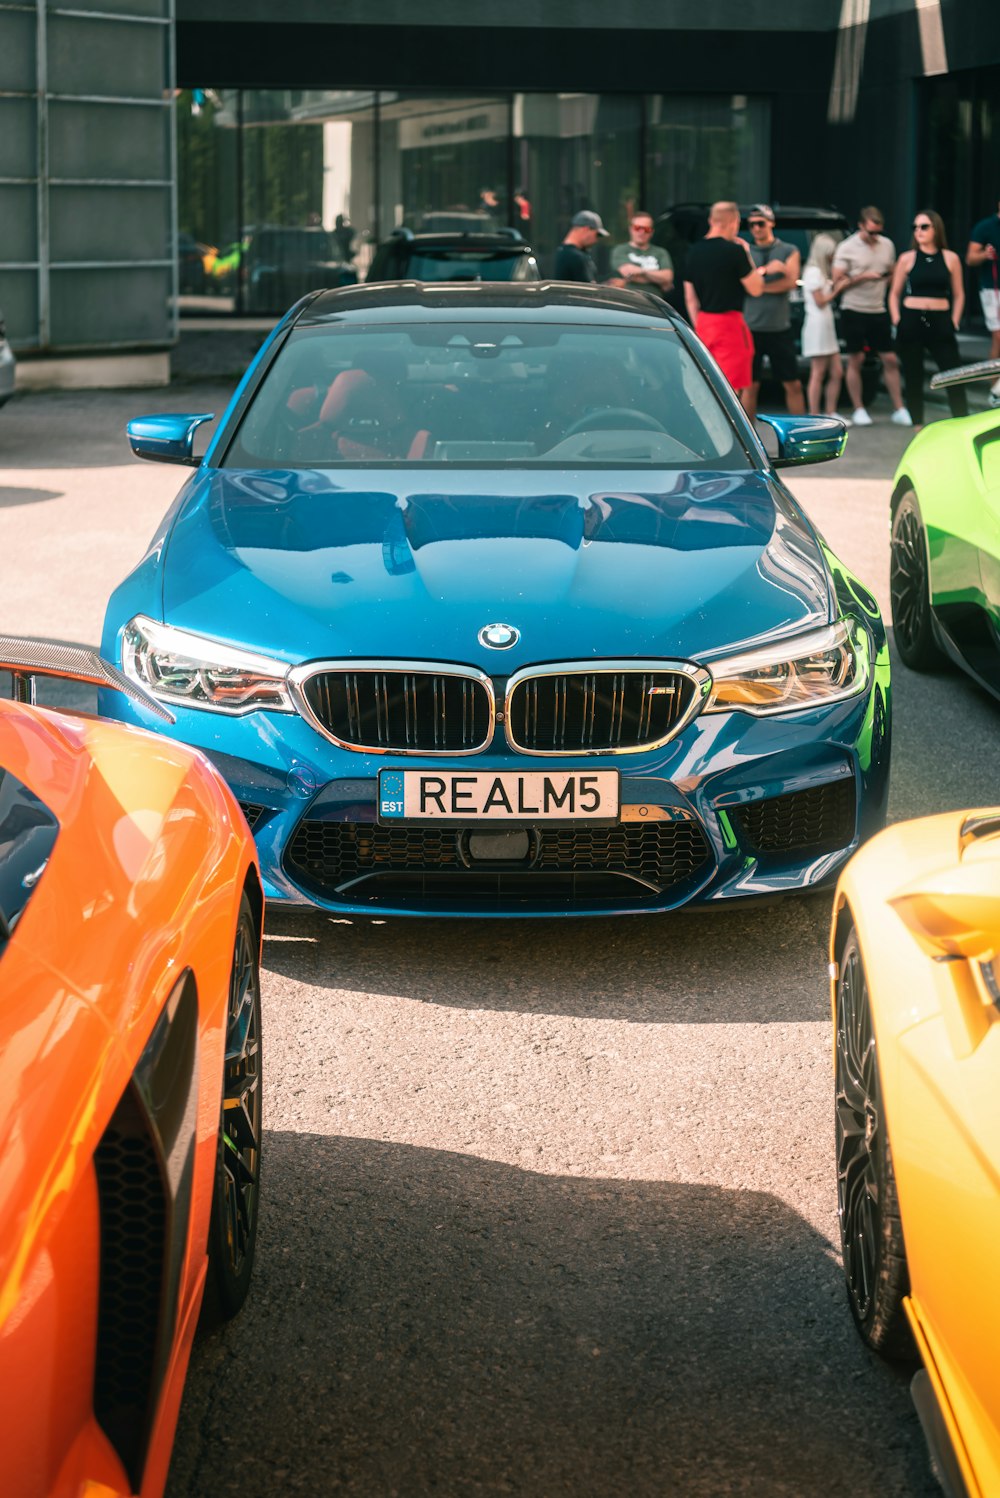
926,301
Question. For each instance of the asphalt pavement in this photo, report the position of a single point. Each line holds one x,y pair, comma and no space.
549,1207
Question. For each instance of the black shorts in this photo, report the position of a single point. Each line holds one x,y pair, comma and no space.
866,330
779,348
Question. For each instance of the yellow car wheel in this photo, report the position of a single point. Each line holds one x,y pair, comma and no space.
909,588
871,1232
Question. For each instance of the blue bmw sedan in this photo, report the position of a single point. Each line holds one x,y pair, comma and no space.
488,600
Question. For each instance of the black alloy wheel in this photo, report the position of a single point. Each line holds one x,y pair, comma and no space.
233,1227
909,588
871,1230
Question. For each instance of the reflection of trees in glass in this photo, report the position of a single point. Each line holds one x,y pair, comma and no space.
283,174
206,174
282,171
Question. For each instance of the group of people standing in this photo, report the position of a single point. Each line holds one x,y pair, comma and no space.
737,297
895,307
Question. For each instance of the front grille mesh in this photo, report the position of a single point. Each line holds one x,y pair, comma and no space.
329,856
818,820
422,711
597,710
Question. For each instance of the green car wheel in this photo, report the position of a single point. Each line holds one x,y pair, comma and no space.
909,588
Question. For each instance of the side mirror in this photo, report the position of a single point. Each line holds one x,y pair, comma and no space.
807,439
166,439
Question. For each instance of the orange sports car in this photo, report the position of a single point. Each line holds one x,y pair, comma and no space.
130,1083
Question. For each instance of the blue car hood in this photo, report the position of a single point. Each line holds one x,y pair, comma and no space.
412,565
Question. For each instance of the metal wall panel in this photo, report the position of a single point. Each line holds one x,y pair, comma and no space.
118,307
20,223
18,139
109,223
19,302
113,59
120,142
151,9
87,174
17,51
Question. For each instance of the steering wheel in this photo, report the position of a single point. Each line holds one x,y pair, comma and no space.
611,417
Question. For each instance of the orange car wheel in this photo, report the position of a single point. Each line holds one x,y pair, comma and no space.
233,1228
871,1231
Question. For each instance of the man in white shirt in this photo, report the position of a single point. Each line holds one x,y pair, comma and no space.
862,269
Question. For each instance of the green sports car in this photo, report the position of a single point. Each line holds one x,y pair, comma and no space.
944,571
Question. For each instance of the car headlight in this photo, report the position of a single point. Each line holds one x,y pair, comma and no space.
811,670
176,666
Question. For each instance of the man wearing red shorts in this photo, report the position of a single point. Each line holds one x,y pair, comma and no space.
718,274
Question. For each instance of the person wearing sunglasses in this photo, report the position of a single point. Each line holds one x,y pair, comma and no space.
641,264
926,301
862,268
769,316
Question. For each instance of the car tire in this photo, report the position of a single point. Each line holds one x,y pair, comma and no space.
909,588
232,1235
871,1229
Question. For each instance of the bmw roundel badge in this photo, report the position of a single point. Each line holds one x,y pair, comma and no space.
499,636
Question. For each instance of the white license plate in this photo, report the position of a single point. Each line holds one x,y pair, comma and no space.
498,796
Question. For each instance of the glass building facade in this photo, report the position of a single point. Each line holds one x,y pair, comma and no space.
279,175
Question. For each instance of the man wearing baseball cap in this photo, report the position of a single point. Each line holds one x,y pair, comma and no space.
572,260
769,317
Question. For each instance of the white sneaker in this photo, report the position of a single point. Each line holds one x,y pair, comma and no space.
994,399
861,418
902,417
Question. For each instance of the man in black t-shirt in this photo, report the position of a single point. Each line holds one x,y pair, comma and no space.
718,275
572,261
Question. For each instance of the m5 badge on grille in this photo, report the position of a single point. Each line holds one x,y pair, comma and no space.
505,796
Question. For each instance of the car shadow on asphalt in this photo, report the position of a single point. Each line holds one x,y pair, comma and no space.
946,742
761,965
11,498
429,1322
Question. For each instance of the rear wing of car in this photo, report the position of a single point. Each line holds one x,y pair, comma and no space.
25,659
966,374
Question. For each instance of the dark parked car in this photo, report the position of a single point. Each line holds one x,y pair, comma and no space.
279,265
678,228
489,255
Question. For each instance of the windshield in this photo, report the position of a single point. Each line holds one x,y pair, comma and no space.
494,394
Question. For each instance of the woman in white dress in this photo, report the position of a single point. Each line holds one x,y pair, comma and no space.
819,335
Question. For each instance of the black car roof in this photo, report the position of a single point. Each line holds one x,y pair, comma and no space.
561,301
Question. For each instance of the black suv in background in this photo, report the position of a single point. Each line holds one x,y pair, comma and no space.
678,228
474,255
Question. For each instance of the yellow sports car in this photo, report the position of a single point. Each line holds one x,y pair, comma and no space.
915,976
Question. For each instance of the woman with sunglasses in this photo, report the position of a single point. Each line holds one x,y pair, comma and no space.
926,300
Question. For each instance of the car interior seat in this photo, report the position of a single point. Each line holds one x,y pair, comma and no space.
365,414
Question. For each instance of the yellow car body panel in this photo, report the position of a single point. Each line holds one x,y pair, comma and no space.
915,893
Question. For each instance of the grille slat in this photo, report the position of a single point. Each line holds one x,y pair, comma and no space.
598,710
328,857
820,819
415,711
